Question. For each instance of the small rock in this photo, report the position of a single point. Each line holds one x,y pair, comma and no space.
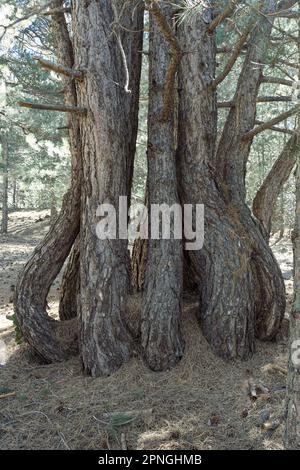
263,417
214,420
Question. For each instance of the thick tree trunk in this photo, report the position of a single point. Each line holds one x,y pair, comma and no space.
266,197
4,222
232,155
292,432
107,136
53,340
162,341
241,288
133,45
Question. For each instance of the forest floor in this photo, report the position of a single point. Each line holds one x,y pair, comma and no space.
203,403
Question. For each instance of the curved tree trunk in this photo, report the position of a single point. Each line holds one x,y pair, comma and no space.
107,136
162,341
231,160
266,197
53,340
50,339
241,288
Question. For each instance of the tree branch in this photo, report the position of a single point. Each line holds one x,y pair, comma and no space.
276,80
260,99
283,130
60,69
271,123
273,99
49,107
265,199
228,11
56,11
236,52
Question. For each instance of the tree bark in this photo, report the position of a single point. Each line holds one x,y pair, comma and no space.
241,288
107,135
266,197
161,336
70,285
292,431
4,222
65,55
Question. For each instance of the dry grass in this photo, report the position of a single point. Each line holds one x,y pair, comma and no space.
200,404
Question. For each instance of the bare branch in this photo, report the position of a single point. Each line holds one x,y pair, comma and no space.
56,11
260,99
31,13
273,99
49,107
285,14
283,130
236,52
276,80
228,11
267,125
290,64
60,69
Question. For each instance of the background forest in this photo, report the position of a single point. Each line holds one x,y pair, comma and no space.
161,101
38,158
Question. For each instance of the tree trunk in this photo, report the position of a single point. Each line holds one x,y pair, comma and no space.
5,185
138,264
266,197
241,288
50,339
292,431
53,210
162,341
107,136
70,285
15,194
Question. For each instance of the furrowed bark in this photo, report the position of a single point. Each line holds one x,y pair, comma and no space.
231,159
266,197
161,337
292,430
221,265
107,136
70,285
241,288
50,339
